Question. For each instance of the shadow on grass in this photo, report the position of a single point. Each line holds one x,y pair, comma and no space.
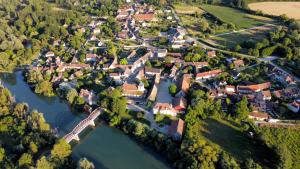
230,139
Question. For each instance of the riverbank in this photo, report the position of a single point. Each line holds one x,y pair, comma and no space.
106,147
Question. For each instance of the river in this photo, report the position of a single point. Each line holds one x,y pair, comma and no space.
106,147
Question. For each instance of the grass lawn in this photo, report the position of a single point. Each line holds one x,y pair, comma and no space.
231,139
237,17
191,24
231,40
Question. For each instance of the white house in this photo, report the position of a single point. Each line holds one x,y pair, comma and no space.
164,108
161,53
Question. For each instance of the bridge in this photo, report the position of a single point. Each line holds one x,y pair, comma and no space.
89,121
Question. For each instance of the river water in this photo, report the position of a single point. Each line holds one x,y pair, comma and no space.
106,147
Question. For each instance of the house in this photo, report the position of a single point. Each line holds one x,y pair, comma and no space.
164,108
90,57
133,90
161,53
144,17
197,65
229,89
116,77
122,35
253,88
294,106
49,54
176,129
152,71
93,38
208,74
179,103
174,55
153,93
259,116
211,54
88,96
132,54
267,95
67,66
173,71
96,31
122,14
184,85
238,63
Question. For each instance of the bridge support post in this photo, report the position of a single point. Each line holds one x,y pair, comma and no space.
92,123
76,137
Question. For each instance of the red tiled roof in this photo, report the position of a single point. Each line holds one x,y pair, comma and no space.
238,63
144,17
179,103
184,84
209,73
256,87
267,93
127,86
152,70
177,126
259,115
211,53
163,106
90,55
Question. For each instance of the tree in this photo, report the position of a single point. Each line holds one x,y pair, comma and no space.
33,147
44,164
34,76
61,150
242,110
2,154
250,164
227,162
44,88
285,158
172,89
25,160
83,163
123,61
71,95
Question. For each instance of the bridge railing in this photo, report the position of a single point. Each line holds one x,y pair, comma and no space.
82,124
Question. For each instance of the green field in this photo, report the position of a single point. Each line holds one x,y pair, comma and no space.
232,140
237,17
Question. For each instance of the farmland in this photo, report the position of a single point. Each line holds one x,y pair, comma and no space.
291,9
187,9
239,18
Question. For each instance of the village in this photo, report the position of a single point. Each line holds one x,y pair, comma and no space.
156,67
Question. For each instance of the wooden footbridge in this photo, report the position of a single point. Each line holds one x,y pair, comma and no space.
89,121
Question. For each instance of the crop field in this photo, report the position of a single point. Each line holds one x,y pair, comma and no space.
187,9
291,9
241,19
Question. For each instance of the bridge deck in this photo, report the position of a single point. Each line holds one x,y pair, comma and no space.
82,125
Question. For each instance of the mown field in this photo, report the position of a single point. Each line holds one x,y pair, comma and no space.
235,38
291,9
239,18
